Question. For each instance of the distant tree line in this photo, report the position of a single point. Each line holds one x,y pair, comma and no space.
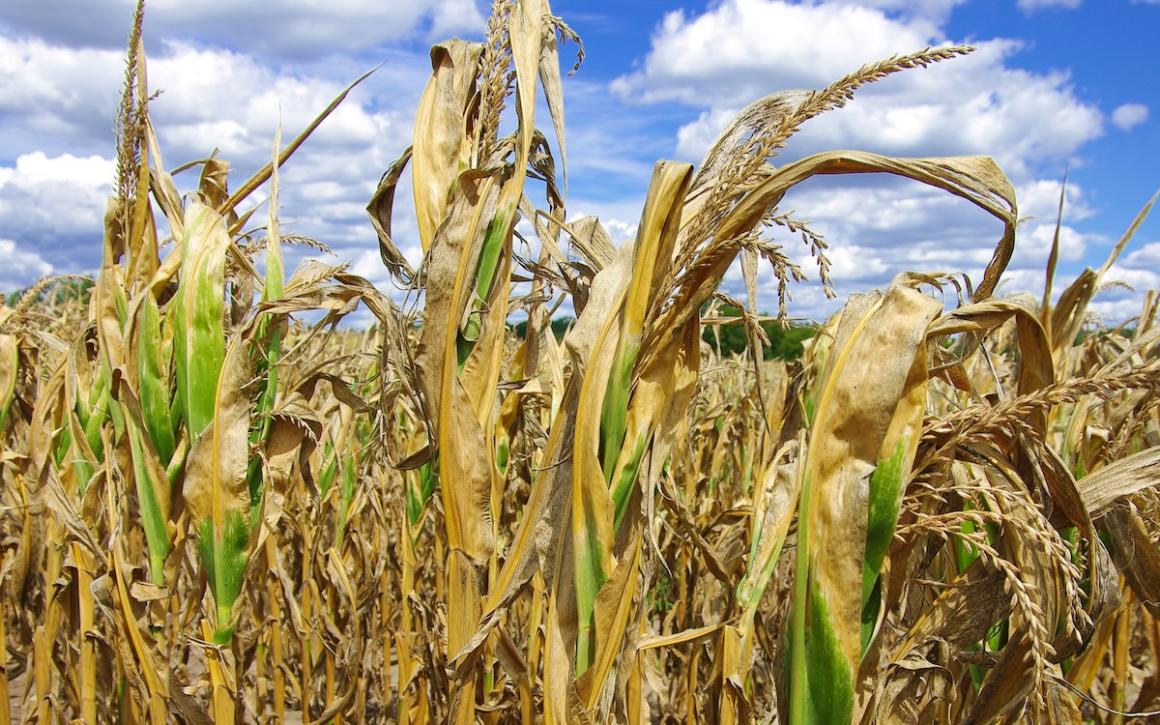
784,343
55,294
560,325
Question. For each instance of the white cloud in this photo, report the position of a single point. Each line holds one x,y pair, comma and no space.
1117,311
227,99
620,218
455,17
1146,257
1129,115
1039,200
56,204
741,49
620,231
973,105
20,266
1136,278
37,168
58,92
1035,244
208,97
725,58
852,263
1119,297
211,99
1030,6
1031,122
293,29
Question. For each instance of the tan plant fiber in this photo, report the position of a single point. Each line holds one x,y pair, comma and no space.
220,501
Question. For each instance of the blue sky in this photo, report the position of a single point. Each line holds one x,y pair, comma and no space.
1053,84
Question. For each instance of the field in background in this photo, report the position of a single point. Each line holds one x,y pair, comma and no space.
670,509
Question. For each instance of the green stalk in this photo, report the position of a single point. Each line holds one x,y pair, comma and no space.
589,579
267,367
882,509
420,487
798,684
92,416
329,469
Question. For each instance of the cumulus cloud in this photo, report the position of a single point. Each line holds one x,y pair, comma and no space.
58,97
1129,115
620,217
1137,278
1134,272
209,97
726,57
1119,297
295,29
230,100
1146,257
20,266
1039,200
1117,311
37,168
56,92
54,205
729,55
717,61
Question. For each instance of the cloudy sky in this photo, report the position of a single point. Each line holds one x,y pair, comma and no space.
1054,84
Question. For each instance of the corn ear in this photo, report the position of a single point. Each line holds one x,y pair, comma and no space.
153,379
9,358
199,309
153,490
215,487
874,352
888,482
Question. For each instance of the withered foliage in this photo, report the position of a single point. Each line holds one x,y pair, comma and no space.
218,503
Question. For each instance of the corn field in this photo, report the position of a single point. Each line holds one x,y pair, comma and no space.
219,502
